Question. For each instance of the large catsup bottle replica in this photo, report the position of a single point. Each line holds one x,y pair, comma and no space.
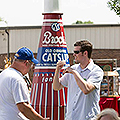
52,48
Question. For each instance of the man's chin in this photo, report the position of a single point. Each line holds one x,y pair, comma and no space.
76,62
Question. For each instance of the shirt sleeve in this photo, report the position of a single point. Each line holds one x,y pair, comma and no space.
64,79
20,91
96,77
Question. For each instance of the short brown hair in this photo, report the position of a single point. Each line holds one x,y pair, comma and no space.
85,46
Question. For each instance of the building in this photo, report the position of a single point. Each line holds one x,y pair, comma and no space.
105,38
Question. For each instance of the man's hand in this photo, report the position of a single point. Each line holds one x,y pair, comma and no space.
60,64
68,70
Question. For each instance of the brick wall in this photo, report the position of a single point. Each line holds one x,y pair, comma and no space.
97,54
107,54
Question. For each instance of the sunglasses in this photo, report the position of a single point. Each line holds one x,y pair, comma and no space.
77,52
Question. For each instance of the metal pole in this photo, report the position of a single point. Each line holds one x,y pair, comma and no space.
8,54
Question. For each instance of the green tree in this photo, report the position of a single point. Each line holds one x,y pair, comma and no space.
80,22
114,5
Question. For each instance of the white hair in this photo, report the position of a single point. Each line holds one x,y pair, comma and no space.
108,111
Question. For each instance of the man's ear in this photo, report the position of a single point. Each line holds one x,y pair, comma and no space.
86,53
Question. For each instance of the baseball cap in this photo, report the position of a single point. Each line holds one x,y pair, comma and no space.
25,53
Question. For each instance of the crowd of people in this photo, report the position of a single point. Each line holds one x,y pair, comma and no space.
83,79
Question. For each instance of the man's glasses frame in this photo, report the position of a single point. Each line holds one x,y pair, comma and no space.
77,52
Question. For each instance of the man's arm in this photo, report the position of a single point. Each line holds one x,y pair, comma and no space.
56,83
85,86
27,110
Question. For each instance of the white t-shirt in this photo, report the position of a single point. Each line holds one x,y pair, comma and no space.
79,105
13,90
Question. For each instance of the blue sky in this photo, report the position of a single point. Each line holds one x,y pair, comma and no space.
29,12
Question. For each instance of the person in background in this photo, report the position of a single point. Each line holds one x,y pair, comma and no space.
14,94
108,114
83,81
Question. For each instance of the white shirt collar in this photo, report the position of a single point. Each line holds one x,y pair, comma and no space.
89,66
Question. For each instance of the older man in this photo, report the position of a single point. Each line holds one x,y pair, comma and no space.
14,95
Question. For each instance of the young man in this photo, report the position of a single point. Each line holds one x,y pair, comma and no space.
83,81
14,94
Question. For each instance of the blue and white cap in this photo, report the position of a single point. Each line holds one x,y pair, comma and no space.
25,53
